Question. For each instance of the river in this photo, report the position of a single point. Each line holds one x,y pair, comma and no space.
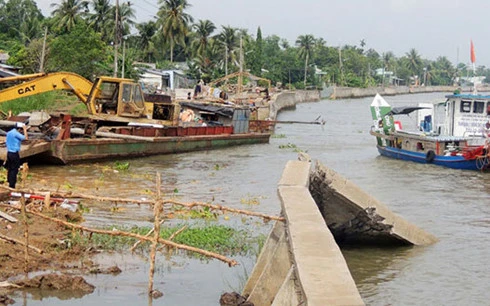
451,204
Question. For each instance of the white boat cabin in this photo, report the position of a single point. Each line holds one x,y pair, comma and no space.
460,116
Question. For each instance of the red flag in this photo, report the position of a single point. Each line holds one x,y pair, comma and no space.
472,53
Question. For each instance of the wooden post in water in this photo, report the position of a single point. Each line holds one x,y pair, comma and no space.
156,235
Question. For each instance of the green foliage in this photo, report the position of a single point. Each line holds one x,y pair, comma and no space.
81,34
121,166
288,146
278,136
80,51
215,238
48,101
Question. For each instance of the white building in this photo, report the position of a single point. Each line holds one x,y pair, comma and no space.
164,80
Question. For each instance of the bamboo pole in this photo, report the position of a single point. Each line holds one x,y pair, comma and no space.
47,201
26,234
224,208
156,235
177,232
220,257
135,245
24,173
174,235
150,202
13,240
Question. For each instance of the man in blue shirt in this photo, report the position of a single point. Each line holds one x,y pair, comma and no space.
14,139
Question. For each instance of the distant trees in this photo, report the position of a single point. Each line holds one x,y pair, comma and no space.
81,35
20,20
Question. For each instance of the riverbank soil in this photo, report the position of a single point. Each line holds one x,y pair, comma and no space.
52,250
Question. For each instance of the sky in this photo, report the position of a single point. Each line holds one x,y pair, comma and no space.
432,27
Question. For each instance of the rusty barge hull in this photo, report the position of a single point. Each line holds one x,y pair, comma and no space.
81,150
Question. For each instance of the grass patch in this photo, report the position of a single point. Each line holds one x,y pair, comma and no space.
278,136
48,101
215,238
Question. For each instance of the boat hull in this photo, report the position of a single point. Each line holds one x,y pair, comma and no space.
83,149
454,162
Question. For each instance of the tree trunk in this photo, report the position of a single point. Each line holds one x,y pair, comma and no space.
171,51
306,66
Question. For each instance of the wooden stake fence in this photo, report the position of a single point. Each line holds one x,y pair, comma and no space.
159,205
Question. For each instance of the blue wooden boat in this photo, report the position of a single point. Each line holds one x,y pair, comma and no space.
454,133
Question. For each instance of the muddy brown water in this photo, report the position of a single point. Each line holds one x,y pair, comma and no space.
451,204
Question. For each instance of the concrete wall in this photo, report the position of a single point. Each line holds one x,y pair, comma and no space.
354,216
348,92
289,99
300,263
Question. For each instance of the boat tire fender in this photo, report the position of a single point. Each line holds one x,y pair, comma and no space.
430,156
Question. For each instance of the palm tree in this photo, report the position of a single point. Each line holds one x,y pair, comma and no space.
229,40
204,29
69,12
126,17
284,43
101,20
146,33
174,22
306,44
414,62
388,58
444,70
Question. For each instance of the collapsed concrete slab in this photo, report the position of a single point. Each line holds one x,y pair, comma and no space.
353,216
300,264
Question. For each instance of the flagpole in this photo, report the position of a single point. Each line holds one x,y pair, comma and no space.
473,60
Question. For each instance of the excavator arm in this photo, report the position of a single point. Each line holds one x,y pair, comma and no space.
40,83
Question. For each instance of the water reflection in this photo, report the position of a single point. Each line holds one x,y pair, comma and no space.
376,265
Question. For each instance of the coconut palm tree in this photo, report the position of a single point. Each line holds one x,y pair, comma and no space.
306,43
146,33
204,29
414,63
230,41
388,64
126,17
101,20
68,13
174,22
444,70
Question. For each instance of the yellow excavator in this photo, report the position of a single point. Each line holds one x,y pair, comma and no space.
107,99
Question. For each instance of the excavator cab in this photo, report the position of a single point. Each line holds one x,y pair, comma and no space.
120,97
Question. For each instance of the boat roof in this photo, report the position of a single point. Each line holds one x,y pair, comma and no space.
405,110
468,96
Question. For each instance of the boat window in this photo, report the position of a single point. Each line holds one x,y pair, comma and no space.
478,107
488,108
465,107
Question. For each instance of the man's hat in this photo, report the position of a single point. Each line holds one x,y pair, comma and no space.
19,125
